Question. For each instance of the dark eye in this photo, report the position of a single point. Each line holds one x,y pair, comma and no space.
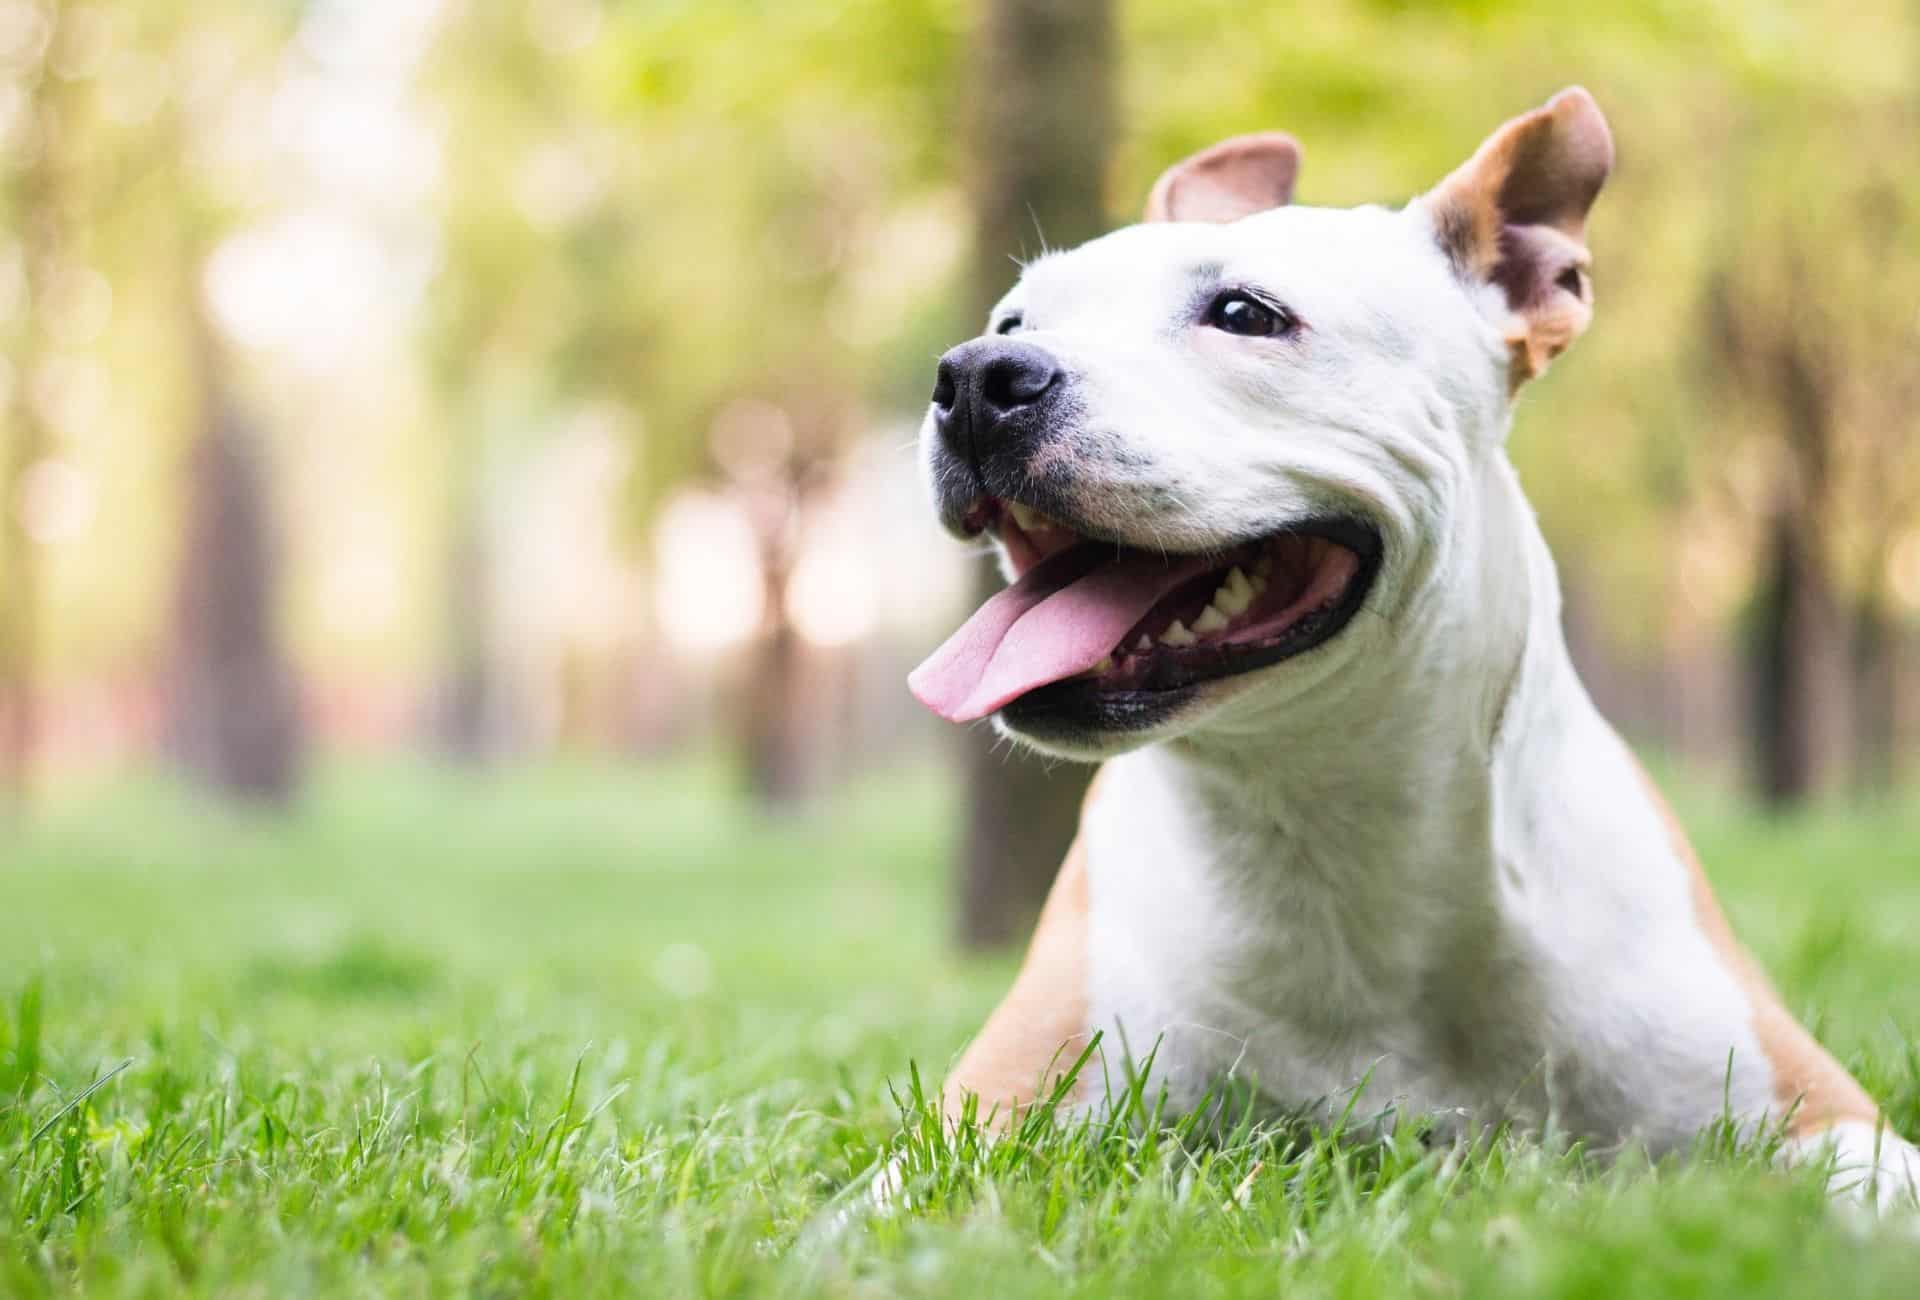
1009,324
1239,312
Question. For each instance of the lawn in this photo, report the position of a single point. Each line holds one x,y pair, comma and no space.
590,1031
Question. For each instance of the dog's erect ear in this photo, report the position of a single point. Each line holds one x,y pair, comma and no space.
1235,178
1515,215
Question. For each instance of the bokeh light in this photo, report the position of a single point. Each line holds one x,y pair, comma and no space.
709,586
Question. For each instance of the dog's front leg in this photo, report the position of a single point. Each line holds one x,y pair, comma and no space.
1830,1116
1042,1026
1033,1038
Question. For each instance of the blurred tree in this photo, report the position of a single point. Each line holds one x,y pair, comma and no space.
1042,134
1762,342
779,460
489,341
669,210
1808,308
112,200
234,718
681,210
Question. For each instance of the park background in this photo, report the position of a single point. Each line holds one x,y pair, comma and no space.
460,546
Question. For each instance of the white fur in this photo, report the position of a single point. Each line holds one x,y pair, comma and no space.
1415,854
1865,1163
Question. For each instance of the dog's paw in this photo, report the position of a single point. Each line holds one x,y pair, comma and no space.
1868,1166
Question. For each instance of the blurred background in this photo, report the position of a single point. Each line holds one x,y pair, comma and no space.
491,385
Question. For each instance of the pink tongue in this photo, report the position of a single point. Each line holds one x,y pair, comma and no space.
1063,617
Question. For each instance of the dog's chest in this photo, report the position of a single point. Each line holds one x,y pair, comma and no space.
1296,987
1444,1000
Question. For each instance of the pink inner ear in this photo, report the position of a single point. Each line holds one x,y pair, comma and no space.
1533,264
1235,178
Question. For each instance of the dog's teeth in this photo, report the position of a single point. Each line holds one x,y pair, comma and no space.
1210,621
1177,635
1235,594
1105,665
1144,644
1024,517
1259,585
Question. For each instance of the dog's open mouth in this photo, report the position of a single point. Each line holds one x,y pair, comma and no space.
1125,619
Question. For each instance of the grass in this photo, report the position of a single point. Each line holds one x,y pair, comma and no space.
592,1031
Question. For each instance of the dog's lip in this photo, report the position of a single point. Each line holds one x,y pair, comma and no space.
1030,535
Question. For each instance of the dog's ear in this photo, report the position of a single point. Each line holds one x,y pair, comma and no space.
1515,215
1235,178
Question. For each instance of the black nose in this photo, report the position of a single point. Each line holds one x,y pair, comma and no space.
989,391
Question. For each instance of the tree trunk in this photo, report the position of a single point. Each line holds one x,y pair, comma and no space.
1042,129
468,727
234,722
1793,617
780,761
1876,697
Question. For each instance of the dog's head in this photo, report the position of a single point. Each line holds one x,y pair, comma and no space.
1207,443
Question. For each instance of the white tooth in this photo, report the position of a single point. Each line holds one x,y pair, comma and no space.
1105,665
1177,635
1237,580
1023,516
1259,585
1210,621
1233,598
1144,644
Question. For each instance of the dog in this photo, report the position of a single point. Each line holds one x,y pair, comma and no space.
1357,819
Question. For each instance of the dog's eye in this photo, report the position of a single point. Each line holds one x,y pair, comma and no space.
1239,312
1009,324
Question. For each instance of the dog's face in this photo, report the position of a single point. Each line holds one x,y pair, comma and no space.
1207,443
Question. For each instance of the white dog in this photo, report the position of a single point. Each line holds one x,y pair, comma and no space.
1358,818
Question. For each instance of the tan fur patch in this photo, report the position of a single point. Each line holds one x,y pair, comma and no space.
1041,1026
1803,1071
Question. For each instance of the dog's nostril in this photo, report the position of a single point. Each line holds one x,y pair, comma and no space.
944,387
1018,379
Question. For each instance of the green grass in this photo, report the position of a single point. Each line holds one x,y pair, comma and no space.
592,1031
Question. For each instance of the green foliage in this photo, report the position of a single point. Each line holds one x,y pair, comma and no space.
599,1031
703,201
748,158
765,152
